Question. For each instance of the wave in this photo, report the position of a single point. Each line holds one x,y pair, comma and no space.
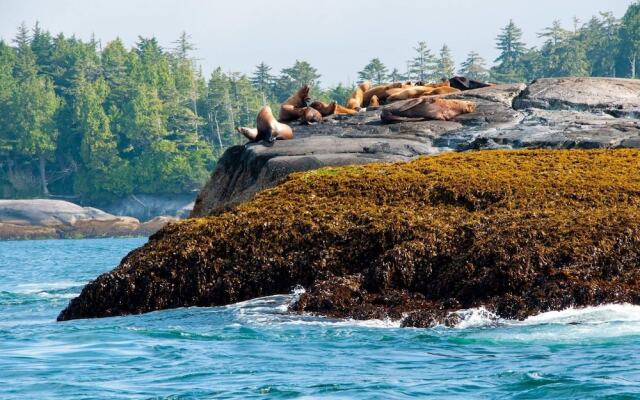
274,310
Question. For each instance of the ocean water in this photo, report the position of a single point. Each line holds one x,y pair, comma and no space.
256,350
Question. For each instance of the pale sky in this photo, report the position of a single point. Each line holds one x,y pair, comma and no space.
338,37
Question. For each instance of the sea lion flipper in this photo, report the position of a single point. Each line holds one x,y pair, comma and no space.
408,104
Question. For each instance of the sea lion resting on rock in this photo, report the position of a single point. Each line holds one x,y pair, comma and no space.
426,108
417,91
380,91
324,108
332,108
408,93
340,110
291,109
310,116
356,99
267,128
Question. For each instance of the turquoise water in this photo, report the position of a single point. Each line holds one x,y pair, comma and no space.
255,350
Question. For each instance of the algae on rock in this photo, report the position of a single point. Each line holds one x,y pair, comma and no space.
518,232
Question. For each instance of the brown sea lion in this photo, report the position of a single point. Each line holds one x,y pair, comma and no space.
324,108
357,97
443,83
444,90
310,116
290,110
267,128
374,103
425,108
380,92
340,110
408,93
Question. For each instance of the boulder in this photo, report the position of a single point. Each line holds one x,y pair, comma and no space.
52,219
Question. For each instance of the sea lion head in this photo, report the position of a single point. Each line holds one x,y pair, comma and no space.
303,93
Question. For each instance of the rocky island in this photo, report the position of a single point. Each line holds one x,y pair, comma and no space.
408,237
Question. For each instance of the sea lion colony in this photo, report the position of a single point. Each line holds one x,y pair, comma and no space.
406,101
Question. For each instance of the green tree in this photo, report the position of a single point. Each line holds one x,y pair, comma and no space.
600,37
103,174
375,71
630,40
445,66
422,66
262,80
32,109
291,79
396,76
512,49
474,67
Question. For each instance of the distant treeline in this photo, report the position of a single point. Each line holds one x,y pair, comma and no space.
95,123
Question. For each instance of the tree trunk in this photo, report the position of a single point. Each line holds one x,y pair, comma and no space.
633,66
215,116
43,176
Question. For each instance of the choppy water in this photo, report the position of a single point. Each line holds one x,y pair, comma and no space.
255,350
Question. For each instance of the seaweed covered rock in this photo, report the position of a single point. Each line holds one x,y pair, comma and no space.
518,232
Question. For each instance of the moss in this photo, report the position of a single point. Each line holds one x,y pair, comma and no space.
519,232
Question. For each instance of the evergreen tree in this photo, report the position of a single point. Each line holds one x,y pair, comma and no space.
396,76
601,40
512,49
375,72
422,66
445,66
183,46
291,79
7,60
630,41
103,174
262,80
474,67
32,108
42,47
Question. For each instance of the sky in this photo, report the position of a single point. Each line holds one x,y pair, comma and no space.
338,37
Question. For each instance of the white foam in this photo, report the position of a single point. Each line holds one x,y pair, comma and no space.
622,319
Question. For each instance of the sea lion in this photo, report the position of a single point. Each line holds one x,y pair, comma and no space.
355,101
443,90
290,110
267,128
409,93
435,85
374,103
324,108
463,83
340,110
425,108
310,116
380,92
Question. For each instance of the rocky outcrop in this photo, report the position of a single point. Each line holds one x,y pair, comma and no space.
516,232
52,219
549,113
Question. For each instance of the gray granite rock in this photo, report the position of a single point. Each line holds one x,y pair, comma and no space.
558,113
52,219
